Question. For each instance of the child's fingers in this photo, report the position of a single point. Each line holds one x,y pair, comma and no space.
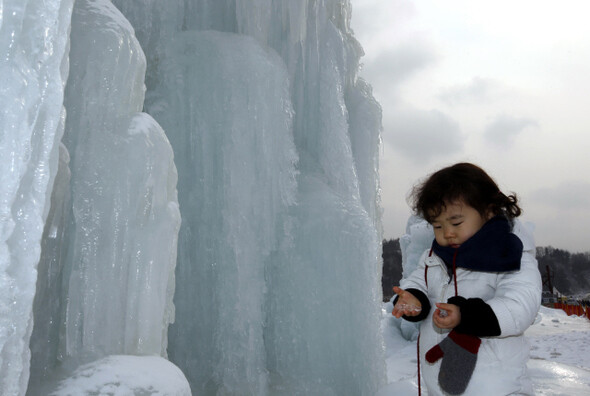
397,312
405,310
446,307
405,296
447,316
406,305
401,293
439,320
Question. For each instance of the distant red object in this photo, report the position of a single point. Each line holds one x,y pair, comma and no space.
571,309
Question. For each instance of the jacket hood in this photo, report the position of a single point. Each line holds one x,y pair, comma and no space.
525,233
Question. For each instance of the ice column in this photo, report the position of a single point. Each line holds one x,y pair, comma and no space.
49,299
125,213
323,307
111,243
33,46
228,116
315,283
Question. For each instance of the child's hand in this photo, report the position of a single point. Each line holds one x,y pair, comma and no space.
446,316
406,304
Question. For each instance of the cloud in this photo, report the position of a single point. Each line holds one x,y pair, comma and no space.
397,64
376,21
477,91
504,129
574,194
422,134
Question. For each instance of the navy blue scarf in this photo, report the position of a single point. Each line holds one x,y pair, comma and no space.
491,249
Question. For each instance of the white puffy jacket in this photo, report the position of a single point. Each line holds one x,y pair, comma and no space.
514,297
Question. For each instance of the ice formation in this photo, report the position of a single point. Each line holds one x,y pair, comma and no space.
33,66
254,113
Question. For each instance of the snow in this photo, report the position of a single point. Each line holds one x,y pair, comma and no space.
559,364
121,375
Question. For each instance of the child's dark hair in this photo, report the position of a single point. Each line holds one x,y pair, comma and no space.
466,182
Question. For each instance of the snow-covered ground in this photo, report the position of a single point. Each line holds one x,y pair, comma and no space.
559,364
123,376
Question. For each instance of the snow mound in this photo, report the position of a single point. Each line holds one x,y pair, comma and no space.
558,379
123,375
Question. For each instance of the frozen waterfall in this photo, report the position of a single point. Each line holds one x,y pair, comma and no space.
213,200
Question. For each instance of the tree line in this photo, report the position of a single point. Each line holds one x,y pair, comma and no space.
567,272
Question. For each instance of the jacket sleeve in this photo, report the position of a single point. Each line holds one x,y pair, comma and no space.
518,297
415,283
477,317
416,278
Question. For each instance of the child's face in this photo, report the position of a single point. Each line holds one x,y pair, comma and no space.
457,223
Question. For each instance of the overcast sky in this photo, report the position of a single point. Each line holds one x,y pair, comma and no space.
503,84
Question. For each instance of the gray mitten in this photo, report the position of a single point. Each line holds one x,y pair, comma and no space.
459,353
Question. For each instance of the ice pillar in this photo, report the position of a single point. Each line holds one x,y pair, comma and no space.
33,66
